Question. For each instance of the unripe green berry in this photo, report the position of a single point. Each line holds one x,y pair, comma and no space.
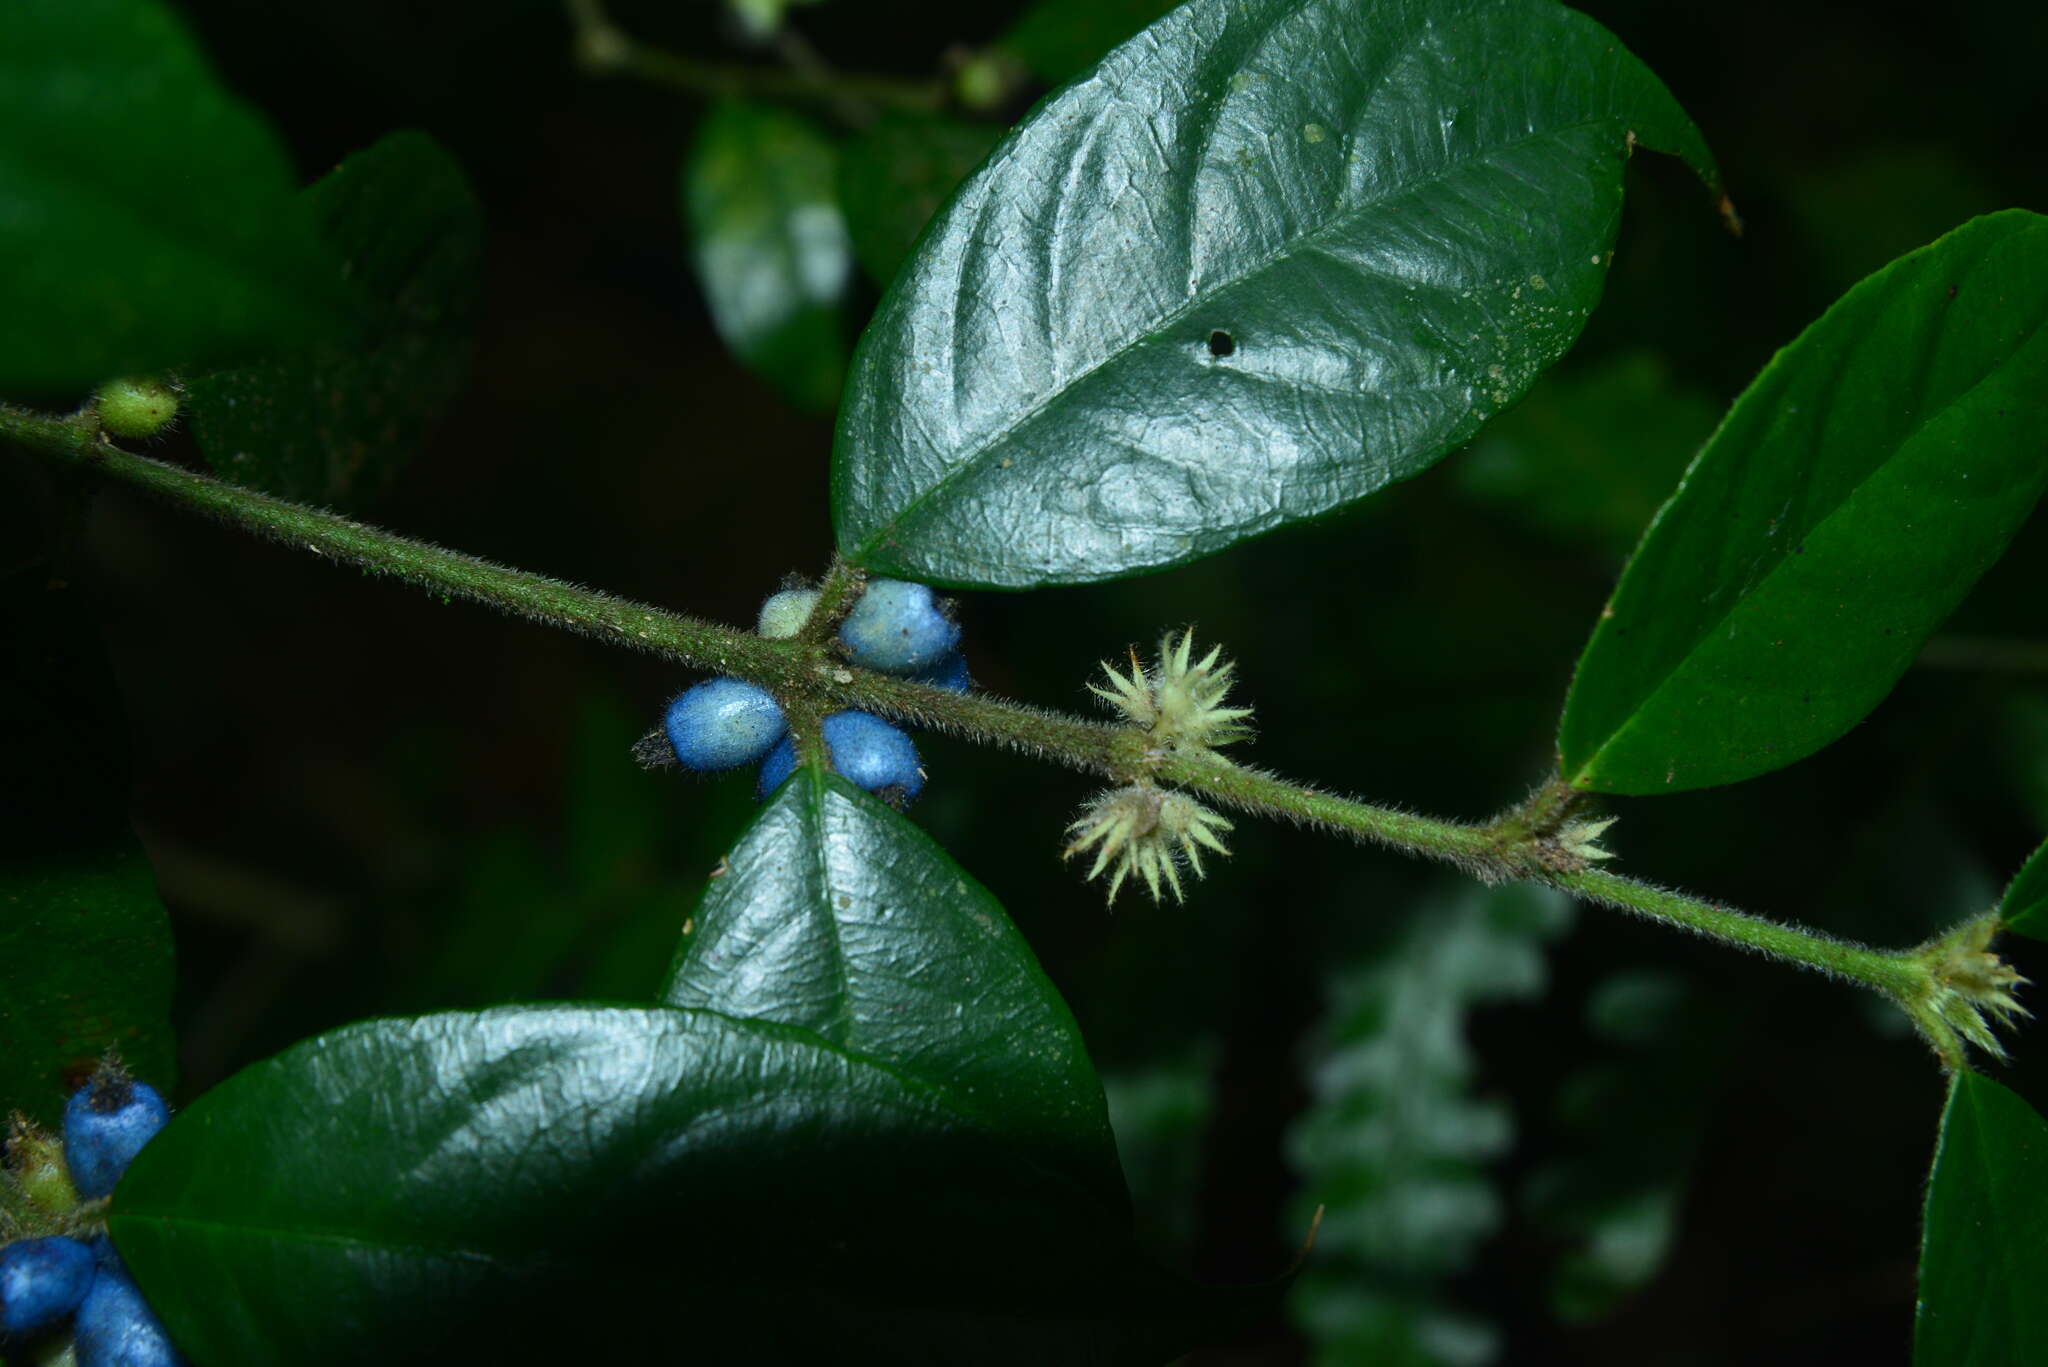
35,1163
783,614
983,82
136,407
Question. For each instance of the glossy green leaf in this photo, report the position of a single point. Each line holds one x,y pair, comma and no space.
1853,495
334,424
1265,259
85,966
760,199
894,175
1395,1145
2025,906
845,1149
1986,1227
529,1180
108,119
838,915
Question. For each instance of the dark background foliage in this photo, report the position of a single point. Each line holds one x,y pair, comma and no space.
359,800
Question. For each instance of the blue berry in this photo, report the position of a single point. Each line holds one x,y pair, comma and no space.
865,750
116,1327
106,1123
897,628
722,724
949,674
873,754
779,765
42,1281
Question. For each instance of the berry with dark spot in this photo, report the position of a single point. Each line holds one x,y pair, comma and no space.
106,1123
136,408
874,754
898,628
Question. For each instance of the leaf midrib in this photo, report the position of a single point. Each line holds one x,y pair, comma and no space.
816,814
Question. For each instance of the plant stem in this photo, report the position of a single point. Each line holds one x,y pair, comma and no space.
837,593
813,680
1897,976
449,573
1478,851
1249,790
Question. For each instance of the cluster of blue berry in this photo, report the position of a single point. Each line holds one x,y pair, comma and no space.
896,628
45,1280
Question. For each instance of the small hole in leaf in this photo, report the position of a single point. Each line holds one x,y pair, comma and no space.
1221,344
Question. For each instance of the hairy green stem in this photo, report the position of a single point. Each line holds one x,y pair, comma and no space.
812,679
1895,975
78,444
841,587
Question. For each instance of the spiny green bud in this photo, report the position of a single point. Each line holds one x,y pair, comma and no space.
140,407
1969,990
1180,700
1139,829
1581,839
783,614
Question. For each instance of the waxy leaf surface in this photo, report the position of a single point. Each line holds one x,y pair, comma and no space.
1986,1227
334,423
760,196
147,217
828,1156
840,916
2025,906
1852,496
1265,258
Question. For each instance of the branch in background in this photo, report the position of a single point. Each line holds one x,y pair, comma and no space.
1988,654
604,49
